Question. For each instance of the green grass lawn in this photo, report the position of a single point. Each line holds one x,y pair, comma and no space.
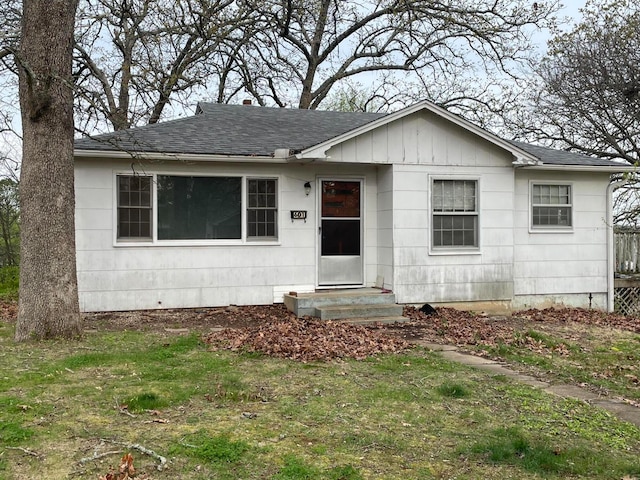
603,359
228,415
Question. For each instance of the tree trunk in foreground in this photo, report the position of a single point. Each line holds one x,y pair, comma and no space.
48,305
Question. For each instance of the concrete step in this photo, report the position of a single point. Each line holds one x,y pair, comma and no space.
373,320
332,312
306,303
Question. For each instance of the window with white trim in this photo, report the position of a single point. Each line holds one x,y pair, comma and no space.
454,208
196,208
262,208
199,208
551,206
134,207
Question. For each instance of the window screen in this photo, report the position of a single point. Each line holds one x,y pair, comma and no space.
454,213
551,206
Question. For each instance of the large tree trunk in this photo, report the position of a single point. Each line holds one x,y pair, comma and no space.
48,305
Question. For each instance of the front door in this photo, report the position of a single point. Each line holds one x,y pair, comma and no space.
340,232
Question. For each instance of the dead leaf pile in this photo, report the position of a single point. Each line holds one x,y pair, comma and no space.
8,311
457,327
460,328
581,315
307,340
197,319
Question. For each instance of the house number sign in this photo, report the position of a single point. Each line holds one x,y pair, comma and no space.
298,215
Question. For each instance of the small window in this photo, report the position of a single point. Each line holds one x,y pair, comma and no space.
134,207
262,208
551,206
455,213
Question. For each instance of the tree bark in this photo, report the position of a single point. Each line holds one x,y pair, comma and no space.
48,298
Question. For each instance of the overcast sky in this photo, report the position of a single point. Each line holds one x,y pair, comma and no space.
570,10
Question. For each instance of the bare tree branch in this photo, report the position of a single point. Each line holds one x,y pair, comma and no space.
588,96
323,43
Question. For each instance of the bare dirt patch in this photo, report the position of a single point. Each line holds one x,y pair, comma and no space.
194,319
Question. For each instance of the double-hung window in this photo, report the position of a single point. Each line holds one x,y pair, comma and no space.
454,208
196,208
551,206
262,208
134,207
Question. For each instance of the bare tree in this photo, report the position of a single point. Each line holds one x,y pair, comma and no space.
133,57
48,297
10,137
586,96
10,13
302,49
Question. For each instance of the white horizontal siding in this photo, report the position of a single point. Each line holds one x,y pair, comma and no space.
115,277
422,275
563,267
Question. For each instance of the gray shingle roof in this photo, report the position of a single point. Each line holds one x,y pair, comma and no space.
221,129
552,156
240,130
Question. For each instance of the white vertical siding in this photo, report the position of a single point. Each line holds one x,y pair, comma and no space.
397,162
421,138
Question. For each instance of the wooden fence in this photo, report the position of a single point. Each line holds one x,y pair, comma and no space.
627,271
627,246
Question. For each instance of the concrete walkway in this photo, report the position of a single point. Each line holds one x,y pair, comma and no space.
620,409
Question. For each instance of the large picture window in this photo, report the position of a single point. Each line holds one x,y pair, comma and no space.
454,206
551,206
134,207
196,208
199,208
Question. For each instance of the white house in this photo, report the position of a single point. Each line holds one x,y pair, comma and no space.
241,204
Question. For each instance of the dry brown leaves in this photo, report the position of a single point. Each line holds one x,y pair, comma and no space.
125,471
307,339
8,311
581,315
457,327
462,328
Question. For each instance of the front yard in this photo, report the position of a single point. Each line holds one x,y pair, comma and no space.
146,384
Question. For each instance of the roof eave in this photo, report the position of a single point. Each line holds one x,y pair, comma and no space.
582,168
179,157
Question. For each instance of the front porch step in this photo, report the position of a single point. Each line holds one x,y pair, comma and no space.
372,320
333,312
307,303
356,305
